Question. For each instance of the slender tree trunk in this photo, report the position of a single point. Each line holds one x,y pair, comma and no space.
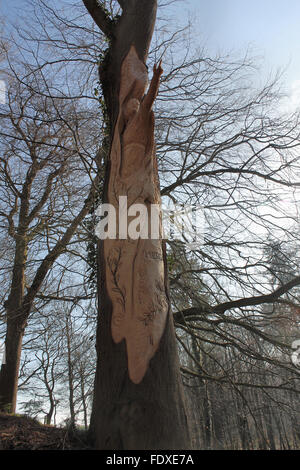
70,371
203,395
269,426
50,387
83,397
50,412
145,411
262,442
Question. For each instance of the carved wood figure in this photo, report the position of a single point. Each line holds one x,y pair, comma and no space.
135,267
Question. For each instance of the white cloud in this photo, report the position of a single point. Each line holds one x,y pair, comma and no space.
292,101
2,92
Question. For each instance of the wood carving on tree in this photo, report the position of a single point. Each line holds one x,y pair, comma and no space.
135,267
138,396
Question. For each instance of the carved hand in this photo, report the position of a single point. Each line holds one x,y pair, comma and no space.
157,69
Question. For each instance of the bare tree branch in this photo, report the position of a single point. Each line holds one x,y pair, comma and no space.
259,299
245,302
100,16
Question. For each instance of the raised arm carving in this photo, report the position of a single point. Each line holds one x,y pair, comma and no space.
135,268
154,86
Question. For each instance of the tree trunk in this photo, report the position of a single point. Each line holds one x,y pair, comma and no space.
70,370
10,370
149,415
16,323
203,396
49,415
138,397
83,397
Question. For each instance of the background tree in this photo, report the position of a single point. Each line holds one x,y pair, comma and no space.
40,170
56,378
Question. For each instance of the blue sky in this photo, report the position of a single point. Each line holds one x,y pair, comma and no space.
272,27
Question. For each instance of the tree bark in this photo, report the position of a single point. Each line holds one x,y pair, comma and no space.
16,323
49,415
70,371
83,397
203,397
133,408
10,370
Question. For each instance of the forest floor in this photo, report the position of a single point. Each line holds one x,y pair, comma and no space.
23,433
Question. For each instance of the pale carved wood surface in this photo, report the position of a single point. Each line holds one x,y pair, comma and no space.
135,268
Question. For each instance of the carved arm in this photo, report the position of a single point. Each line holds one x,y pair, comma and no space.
149,99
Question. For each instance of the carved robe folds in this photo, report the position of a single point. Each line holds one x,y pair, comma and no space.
135,268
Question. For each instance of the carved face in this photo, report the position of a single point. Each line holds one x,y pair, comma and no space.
131,108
